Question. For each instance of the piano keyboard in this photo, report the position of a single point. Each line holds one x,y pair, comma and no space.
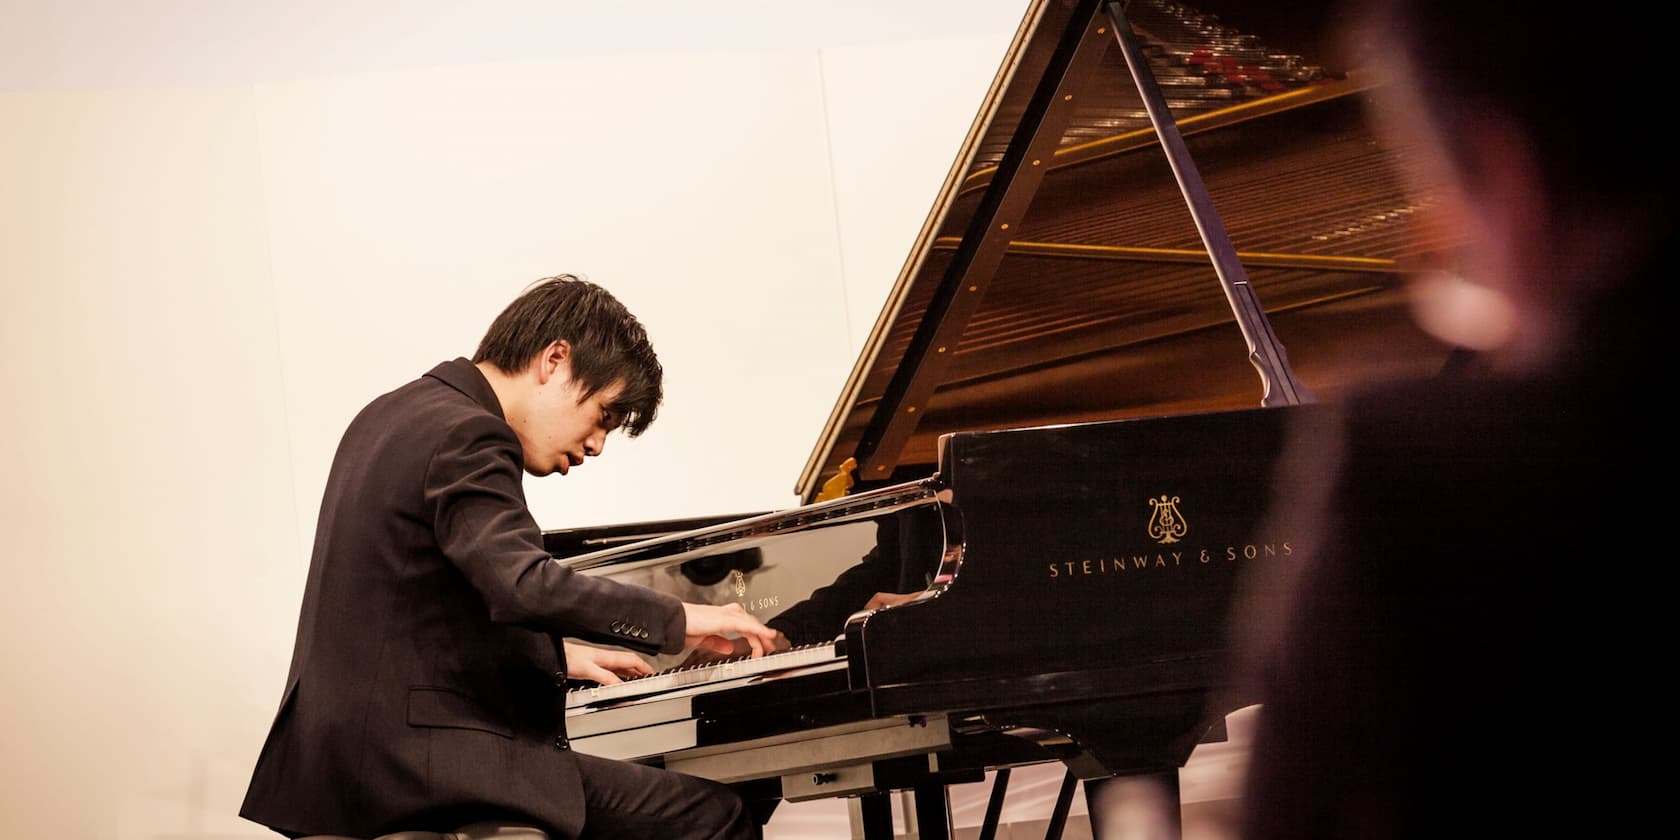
718,671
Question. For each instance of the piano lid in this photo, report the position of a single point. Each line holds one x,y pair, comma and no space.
1099,301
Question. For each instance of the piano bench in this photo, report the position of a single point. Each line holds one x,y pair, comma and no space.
475,831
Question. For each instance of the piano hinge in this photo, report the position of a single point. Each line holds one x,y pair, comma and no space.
838,486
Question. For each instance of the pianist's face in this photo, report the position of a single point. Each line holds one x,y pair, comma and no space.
561,426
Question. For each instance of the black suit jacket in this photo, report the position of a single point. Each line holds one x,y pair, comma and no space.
426,685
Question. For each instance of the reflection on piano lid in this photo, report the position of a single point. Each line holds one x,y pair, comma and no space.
1062,451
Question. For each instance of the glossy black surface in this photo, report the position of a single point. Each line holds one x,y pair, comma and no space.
1080,488
1078,579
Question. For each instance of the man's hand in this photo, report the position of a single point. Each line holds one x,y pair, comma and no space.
709,626
888,599
603,666
741,647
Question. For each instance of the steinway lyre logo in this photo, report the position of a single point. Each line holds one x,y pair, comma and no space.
1166,524
740,582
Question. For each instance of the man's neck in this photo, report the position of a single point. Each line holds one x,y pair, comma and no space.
507,389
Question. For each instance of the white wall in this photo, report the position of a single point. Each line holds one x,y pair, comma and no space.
148,537
207,265
895,129
696,188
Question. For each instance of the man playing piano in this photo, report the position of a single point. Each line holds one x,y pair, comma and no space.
426,689
1465,650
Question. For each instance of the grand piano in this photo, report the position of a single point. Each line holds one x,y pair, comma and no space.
1058,447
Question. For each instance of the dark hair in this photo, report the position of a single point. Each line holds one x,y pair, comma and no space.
1530,63
608,344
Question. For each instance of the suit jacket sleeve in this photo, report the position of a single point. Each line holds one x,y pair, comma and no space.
476,502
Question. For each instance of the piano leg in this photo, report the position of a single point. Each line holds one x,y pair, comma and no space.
1064,802
1143,807
933,813
994,804
873,816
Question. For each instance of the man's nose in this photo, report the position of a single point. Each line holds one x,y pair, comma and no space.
596,442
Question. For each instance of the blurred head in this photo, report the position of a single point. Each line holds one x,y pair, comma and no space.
1519,115
570,364
1530,67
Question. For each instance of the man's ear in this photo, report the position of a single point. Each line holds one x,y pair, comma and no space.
555,359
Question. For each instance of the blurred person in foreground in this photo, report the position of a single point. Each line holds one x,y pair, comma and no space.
427,685
1463,646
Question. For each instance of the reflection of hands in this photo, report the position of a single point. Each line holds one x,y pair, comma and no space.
603,666
888,599
709,624
741,648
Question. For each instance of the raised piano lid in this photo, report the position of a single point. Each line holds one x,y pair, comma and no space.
1099,302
